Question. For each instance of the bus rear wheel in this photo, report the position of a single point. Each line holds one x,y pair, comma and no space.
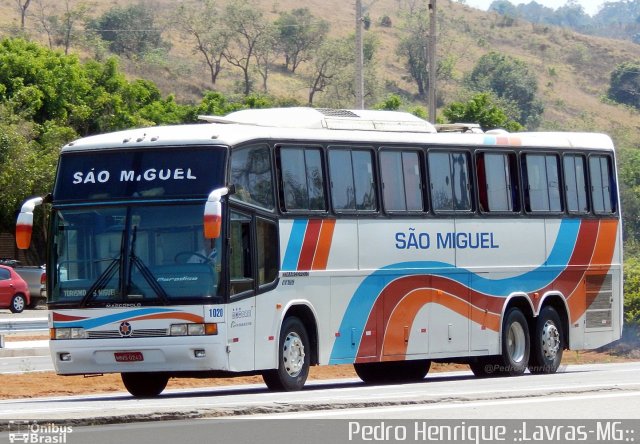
144,385
515,349
392,372
547,343
293,358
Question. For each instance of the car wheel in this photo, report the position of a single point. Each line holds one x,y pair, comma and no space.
18,303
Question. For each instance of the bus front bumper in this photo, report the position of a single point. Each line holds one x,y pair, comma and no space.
95,356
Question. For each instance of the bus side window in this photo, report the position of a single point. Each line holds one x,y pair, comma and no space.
602,184
449,181
353,186
302,179
575,183
542,180
497,182
401,181
240,263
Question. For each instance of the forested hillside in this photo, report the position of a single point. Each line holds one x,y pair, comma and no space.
69,68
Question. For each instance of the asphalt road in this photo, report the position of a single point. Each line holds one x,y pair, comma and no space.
439,396
329,411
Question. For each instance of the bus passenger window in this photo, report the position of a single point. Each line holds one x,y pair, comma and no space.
302,179
401,181
497,182
602,185
240,262
542,183
575,181
352,180
449,181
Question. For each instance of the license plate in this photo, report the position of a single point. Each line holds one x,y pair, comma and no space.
128,356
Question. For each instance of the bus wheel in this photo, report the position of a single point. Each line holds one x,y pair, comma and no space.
546,346
391,372
293,358
484,367
515,344
144,385
515,349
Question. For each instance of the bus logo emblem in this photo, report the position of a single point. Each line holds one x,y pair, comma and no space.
125,330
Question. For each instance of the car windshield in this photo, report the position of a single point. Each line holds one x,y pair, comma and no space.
154,254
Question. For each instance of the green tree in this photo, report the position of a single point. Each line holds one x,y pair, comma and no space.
299,34
392,102
131,30
632,295
482,109
265,53
503,7
509,79
247,27
202,22
23,6
629,175
213,104
328,61
413,47
624,86
26,169
40,84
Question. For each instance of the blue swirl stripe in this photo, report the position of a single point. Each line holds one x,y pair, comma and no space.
365,296
115,317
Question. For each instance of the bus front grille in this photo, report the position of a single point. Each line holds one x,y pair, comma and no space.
138,333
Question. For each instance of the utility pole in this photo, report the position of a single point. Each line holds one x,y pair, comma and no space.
359,58
433,66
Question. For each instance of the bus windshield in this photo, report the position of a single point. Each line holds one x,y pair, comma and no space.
133,255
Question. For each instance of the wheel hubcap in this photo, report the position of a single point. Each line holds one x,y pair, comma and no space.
293,354
18,303
516,342
550,340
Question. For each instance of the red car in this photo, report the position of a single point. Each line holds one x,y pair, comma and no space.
14,291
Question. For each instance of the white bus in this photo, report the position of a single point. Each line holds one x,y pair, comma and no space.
272,240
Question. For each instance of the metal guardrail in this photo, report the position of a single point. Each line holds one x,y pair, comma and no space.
21,326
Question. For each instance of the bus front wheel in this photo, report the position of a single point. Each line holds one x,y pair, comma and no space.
293,358
144,385
546,345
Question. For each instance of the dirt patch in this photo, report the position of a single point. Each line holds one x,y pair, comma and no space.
32,385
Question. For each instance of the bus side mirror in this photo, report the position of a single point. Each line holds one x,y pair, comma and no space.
24,225
213,213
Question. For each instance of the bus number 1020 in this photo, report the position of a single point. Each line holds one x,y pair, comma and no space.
216,312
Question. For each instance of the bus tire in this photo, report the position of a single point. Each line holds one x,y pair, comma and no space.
546,344
515,349
392,372
484,367
516,344
293,358
145,385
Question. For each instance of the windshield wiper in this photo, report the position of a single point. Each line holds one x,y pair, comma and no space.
145,271
104,277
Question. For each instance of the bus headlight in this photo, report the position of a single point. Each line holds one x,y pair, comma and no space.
67,333
193,329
